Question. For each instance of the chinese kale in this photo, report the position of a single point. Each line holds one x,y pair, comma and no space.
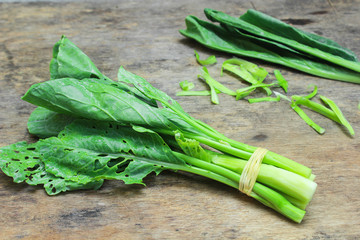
94,129
260,36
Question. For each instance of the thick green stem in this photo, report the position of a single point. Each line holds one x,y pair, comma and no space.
293,185
260,192
244,151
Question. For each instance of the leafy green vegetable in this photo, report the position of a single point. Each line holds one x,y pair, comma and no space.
232,40
284,30
210,60
23,162
266,27
126,130
45,123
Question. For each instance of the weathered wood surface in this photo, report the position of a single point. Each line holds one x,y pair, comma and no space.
143,37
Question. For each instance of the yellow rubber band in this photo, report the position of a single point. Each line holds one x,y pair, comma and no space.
251,171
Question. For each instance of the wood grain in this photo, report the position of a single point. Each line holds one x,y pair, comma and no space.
144,38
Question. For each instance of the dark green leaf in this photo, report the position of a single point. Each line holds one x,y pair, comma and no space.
23,162
87,151
69,61
218,38
46,123
279,28
276,31
146,88
91,99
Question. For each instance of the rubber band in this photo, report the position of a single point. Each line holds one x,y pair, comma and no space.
251,171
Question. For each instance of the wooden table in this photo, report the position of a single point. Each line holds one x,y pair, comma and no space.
144,38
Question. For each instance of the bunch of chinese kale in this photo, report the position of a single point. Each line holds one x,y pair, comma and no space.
257,35
93,129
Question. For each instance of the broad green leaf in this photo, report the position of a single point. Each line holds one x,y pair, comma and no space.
147,89
23,162
90,99
69,61
88,150
46,123
218,38
86,153
282,29
171,107
266,27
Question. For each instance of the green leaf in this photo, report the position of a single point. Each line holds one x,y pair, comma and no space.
313,93
266,27
210,60
69,61
91,99
284,30
87,151
145,88
218,38
282,96
23,162
45,123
